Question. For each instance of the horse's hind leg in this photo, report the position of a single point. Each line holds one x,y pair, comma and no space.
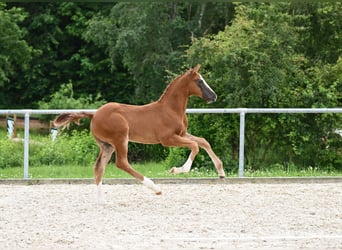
106,151
121,149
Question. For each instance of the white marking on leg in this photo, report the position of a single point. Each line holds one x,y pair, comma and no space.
187,165
100,197
150,184
183,169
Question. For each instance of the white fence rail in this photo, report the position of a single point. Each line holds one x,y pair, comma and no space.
241,111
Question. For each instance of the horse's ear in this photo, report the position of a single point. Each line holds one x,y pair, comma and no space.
196,69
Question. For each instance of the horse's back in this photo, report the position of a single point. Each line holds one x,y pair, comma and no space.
129,112
139,123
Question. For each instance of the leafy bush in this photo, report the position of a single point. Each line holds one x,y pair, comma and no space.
146,152
78,148
11,153
176,157
64,99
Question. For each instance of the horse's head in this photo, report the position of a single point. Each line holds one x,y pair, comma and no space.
199,87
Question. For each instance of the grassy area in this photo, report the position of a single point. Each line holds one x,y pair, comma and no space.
302,173
73,157
152,170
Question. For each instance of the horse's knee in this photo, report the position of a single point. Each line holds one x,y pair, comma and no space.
125,166
195,149
122,164
203,143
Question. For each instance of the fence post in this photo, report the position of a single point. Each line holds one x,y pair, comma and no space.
15,125
242,143
26,144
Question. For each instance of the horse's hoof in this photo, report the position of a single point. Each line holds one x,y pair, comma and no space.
173,170
222,177
159,193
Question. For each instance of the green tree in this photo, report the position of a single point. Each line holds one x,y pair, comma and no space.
257,62
15,53
64,98
55,31
320,29
150,38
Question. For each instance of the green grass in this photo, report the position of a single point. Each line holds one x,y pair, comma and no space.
73,157
282,173
152,170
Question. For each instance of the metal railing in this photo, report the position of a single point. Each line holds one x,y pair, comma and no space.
241,111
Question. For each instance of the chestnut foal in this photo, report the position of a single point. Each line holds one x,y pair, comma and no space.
163,121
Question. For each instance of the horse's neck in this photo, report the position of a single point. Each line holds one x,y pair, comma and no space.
175,97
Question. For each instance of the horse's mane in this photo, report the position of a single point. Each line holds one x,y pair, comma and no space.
169,85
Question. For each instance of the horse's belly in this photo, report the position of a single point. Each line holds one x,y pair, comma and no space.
145,138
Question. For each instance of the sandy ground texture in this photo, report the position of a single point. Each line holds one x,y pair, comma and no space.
186,216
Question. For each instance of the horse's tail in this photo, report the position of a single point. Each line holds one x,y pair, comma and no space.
65,119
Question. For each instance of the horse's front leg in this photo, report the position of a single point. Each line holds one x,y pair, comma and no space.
182,141
121,162
206,146
186,166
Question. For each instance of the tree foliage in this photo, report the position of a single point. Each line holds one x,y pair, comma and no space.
258,62
56,33
150,39
15,51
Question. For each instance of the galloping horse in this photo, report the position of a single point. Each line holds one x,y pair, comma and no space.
163,121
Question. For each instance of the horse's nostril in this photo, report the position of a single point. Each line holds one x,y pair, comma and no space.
211,99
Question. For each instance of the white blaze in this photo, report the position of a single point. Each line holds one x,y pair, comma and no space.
205,83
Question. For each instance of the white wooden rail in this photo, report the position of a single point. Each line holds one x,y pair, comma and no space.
241,111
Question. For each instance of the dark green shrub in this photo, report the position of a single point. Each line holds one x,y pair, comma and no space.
78,148
12,153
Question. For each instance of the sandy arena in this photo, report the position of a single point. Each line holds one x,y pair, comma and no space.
186,216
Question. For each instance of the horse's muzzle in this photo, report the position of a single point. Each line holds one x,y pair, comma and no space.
210,97
207,93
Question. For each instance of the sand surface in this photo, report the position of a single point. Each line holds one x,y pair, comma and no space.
186,216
